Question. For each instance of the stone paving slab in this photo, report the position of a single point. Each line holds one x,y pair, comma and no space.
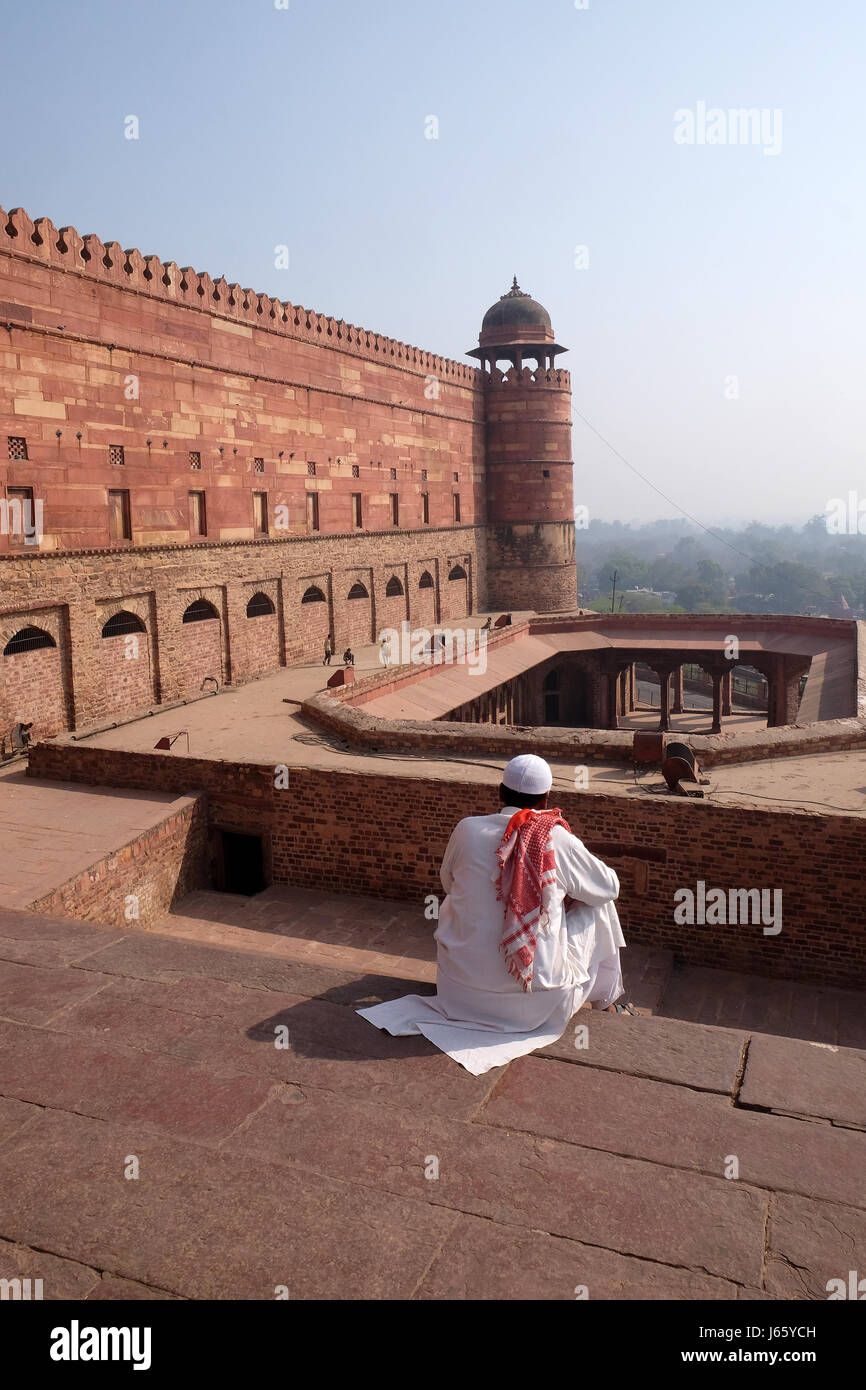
687,1054
679,1127
62,1279
99,1078
732,999
636,1208
804,1078
48,940
162,958
34,994
208,1225
482,1260
327,1045
811,1243
14,1114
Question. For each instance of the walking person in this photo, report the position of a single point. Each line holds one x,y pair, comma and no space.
329,650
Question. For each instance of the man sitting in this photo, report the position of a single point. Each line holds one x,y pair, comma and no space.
527,934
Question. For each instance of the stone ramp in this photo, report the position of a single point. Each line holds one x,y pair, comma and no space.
348,1164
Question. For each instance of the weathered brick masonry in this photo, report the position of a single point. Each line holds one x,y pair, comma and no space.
138,883
657,847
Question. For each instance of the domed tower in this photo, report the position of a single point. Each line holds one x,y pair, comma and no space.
530,496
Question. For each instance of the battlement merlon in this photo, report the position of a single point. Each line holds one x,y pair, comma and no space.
65,249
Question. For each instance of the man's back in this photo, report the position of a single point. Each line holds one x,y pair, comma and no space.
471,919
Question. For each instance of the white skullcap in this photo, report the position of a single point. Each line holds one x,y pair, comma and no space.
528,774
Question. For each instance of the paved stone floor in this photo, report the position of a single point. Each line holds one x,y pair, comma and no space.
198,1112
51,831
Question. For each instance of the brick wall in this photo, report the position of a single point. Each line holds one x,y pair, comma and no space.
157,868
320,836
72,595
32,691
126,674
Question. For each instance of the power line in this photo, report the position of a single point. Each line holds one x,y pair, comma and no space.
671,503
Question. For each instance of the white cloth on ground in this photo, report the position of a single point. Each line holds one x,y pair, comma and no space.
480,1015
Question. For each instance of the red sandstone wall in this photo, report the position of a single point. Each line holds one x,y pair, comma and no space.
656,846
150,352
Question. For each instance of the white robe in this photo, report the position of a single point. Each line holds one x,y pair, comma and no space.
480,1015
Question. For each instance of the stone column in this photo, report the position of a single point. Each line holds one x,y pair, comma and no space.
727,692
718,677
612,692
664,670
677,691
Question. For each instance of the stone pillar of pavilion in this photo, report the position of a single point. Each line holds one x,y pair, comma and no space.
631,681
727,692
612,699
677,690
788,688
664,670
717,677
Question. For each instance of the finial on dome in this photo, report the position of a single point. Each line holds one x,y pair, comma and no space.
515,292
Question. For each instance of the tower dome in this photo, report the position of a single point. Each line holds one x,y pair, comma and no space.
516,309
516,320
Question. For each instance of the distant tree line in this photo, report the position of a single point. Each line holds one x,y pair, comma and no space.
674,566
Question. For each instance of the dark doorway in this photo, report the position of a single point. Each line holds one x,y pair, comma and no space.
238,863
551,698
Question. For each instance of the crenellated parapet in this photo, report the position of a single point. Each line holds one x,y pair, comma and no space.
65,249
551,379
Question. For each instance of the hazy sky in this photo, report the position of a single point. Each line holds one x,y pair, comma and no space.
306,127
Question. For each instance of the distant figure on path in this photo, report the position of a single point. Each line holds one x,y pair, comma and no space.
329,650
348,657
21,736
527,934
384,647
488,625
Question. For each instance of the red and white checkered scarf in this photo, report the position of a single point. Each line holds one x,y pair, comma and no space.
525,883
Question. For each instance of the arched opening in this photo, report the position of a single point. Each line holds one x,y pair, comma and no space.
126,676
28,639
200,612
313,595
358,591
749,690
551,697
457,572
259,606
119,624
426,580
393,589
33,685
201,656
